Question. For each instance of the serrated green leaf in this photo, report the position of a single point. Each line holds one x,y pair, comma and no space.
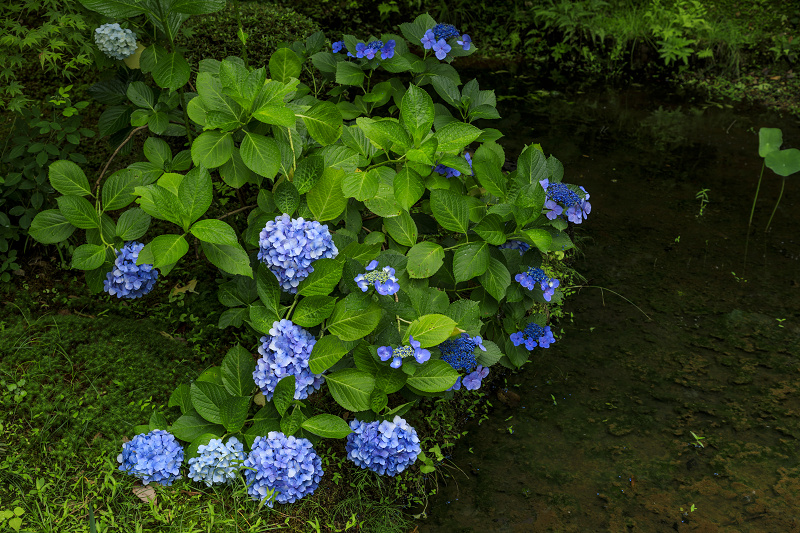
214,231
68,178
207,399
212,149
430,330
433,376
424,260
312,310
470,260
354,317
402,229
237,371
327,426
450,210
231,259
284,394
327,351
351,388
88,256
326,200
190,426
50,226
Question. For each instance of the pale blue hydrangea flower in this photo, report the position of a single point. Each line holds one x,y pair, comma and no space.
287,465
127,279
217,462
288,246
397,355
384,280
285,351
472,381
152,457
115,42
383,447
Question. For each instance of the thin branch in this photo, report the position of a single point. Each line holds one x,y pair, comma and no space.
236,211
123,143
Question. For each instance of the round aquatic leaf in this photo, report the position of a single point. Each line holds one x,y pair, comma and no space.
769,140
784,162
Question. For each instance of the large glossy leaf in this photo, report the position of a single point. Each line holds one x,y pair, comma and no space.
354,317
424,260
416,112
260,154
172,72
450,210
326,275
50,226
323,121
351,388
207,399
68,178
212,149
402,229
470,260
237,371
285,64
79,212
327,352
312,310
430,330
433,376
327,426
326,199
231,259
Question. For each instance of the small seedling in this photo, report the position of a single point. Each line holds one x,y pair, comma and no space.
780,322
554,400
702,195
697,439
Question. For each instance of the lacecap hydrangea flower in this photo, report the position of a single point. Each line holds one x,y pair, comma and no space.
288,246
285,352
385,447
287,465
115,42
127,279
436,39
372,48
472,381
448,172
217,462
563,201
337,46
532,335
536,277
383,280
460,353
401,352
153,457
522,246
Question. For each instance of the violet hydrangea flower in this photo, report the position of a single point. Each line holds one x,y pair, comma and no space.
127,279
289,246
460,352
386,448
522,246
401,352
216,462
561,200
384,280
465,42
441,48
536,276
284,352
532,335
337,47
115,42
287,465
153,457
472,381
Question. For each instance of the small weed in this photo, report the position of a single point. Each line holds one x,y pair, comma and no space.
697,440
702,195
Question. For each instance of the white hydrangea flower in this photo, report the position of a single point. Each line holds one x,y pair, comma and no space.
115,42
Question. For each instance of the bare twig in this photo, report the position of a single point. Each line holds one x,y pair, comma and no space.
236,211
110,159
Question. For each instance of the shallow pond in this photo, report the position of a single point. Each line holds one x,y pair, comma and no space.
677,407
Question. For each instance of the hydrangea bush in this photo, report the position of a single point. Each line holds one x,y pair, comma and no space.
376,178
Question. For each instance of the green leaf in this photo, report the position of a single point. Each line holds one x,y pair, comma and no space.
327,351
327,426
312,310
769,140
489,173
496,279
234,413
114,119
378,400
402,229
361,185
433,376
455,136
424,260
286,197
387,134
326,200
197,7
532,165
118,189
207,399
166,250
235,172
237,371
190,426
354,317
540,238
261,318
261,154
214,231
67,178
491,229
466,313
285,64
384,203
79,212
450,210
430,330
232,317
284,393
277,114
181,397
351,388
308,172
447,89
269,292
212,149
408,187
115,9
470,260
389,380
491,356
88,256
348,73
140,94
195,193
417,113
292,421
172,71
50,226
324,122
231,259
784,162
202,440
326,275
132,224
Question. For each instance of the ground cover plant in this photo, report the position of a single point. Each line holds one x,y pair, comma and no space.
381,257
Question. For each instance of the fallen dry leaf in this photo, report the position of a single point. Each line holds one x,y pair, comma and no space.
189,287
260,400
145,493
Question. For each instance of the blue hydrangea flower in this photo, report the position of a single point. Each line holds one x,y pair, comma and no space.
217,462
287,465
472,381
115,42
428,40
441,48
284,352
457,385
533,334
465,42
288,246
448,172
387,52
401,352
522,246
337,46
152,457
127,279
373,47
385,447
384,280
562,200
536,277
460,353
445,31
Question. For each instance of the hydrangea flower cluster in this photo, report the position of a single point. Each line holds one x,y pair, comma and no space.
217,462
285,352
383,280
436,39
472,381
532,334
536,276
337,46
383,447
401,352
448,172
372,48
129,280
287,465
288,246
460,353
152,457
561,200
115,42
522,246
